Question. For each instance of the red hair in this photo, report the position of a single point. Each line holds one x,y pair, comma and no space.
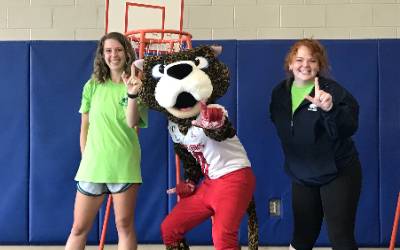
317,50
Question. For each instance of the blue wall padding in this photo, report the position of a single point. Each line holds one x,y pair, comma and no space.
259,69
58,73
40,125
362,82
389,149
14,142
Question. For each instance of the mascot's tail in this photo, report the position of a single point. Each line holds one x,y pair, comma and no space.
252,225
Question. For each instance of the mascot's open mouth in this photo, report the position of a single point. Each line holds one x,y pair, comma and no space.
185,101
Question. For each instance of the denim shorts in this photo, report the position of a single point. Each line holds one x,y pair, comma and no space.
97,189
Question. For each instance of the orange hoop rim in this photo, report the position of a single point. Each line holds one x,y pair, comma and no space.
140,35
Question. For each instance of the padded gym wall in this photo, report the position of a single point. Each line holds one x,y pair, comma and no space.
14,142
39,140
58,73
389,136
259,67
362,82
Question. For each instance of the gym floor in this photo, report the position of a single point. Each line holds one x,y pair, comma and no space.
153,247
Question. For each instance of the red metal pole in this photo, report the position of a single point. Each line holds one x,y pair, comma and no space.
105,223
177,172
177,160
142,44
395,225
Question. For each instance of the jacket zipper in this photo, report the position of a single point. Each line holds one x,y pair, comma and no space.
292,117
291,126
292,122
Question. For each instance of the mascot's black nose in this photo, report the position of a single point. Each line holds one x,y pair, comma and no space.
180,71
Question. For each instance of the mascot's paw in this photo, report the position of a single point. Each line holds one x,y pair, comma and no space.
211,116
183,189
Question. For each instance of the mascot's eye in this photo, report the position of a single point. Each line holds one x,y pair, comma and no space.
158,71
161,69
201,62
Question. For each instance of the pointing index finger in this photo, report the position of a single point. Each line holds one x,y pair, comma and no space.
124,77
316,84
133,70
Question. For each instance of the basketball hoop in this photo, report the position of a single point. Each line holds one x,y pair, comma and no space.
158,41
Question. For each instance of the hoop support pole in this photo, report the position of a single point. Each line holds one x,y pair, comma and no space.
177,172
105,223
395,224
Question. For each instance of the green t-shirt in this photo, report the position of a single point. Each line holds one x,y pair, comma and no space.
298,94
112,151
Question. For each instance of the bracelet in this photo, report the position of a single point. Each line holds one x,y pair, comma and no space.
132,96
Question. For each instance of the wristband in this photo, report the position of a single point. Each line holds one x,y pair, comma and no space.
132,96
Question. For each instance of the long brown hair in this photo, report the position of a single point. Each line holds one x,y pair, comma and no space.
317,50
101,71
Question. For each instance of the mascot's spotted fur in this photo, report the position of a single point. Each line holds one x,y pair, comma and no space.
184,86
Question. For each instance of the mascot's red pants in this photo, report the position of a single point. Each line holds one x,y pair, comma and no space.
225,198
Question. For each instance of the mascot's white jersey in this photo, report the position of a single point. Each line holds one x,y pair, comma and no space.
215,158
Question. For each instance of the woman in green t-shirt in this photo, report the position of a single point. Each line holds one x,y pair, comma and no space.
109,144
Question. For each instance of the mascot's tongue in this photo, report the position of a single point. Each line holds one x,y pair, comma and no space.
185,101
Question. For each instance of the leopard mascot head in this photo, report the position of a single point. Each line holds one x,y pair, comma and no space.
174,84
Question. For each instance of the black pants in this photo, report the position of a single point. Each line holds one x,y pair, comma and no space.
336,202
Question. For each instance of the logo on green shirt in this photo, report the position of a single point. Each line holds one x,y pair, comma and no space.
124,101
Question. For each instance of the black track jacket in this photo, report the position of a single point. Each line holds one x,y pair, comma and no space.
315,143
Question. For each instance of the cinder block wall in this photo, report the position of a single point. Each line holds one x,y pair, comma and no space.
212,19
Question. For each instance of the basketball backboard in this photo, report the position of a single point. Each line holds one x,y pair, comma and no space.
127,15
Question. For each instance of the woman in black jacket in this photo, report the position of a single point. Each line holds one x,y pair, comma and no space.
315,118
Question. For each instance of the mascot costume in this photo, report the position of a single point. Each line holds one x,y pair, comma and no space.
184,86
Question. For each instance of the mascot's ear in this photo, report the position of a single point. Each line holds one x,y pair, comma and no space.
217,49
139,64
